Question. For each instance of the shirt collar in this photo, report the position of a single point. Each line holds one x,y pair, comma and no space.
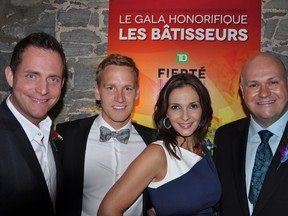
276,128
30,129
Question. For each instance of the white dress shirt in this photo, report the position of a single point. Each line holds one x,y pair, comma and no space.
39,139
253,142
105,162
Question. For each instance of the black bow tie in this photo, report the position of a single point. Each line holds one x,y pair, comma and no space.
106,134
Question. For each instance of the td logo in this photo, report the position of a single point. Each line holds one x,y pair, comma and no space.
182,57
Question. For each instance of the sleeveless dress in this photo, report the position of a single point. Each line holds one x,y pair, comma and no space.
190,187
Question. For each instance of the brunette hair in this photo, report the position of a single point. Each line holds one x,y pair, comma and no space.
39,40
169,135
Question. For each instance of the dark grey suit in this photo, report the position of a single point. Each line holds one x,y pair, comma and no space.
72,152
230,156
23,189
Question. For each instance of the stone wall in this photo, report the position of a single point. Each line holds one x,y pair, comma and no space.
82,27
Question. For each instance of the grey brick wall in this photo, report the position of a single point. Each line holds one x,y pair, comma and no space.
81,26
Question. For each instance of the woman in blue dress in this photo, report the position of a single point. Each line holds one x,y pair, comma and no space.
177,169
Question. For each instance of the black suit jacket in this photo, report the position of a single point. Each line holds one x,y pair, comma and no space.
231,142
23,189
72,151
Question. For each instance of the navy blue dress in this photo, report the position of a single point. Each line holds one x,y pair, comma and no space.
190,187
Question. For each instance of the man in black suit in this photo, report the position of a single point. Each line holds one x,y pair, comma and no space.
30,171
264,90
91,163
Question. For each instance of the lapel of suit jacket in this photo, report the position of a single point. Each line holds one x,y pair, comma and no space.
81,139
22,143
274,176
239,160
75,134
24,146
59,170
72,150
72,154
148,134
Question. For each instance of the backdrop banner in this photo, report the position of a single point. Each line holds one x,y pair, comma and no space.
210,39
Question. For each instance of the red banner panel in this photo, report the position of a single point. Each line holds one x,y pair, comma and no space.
210,39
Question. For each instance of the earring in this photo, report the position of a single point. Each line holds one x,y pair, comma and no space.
165,123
